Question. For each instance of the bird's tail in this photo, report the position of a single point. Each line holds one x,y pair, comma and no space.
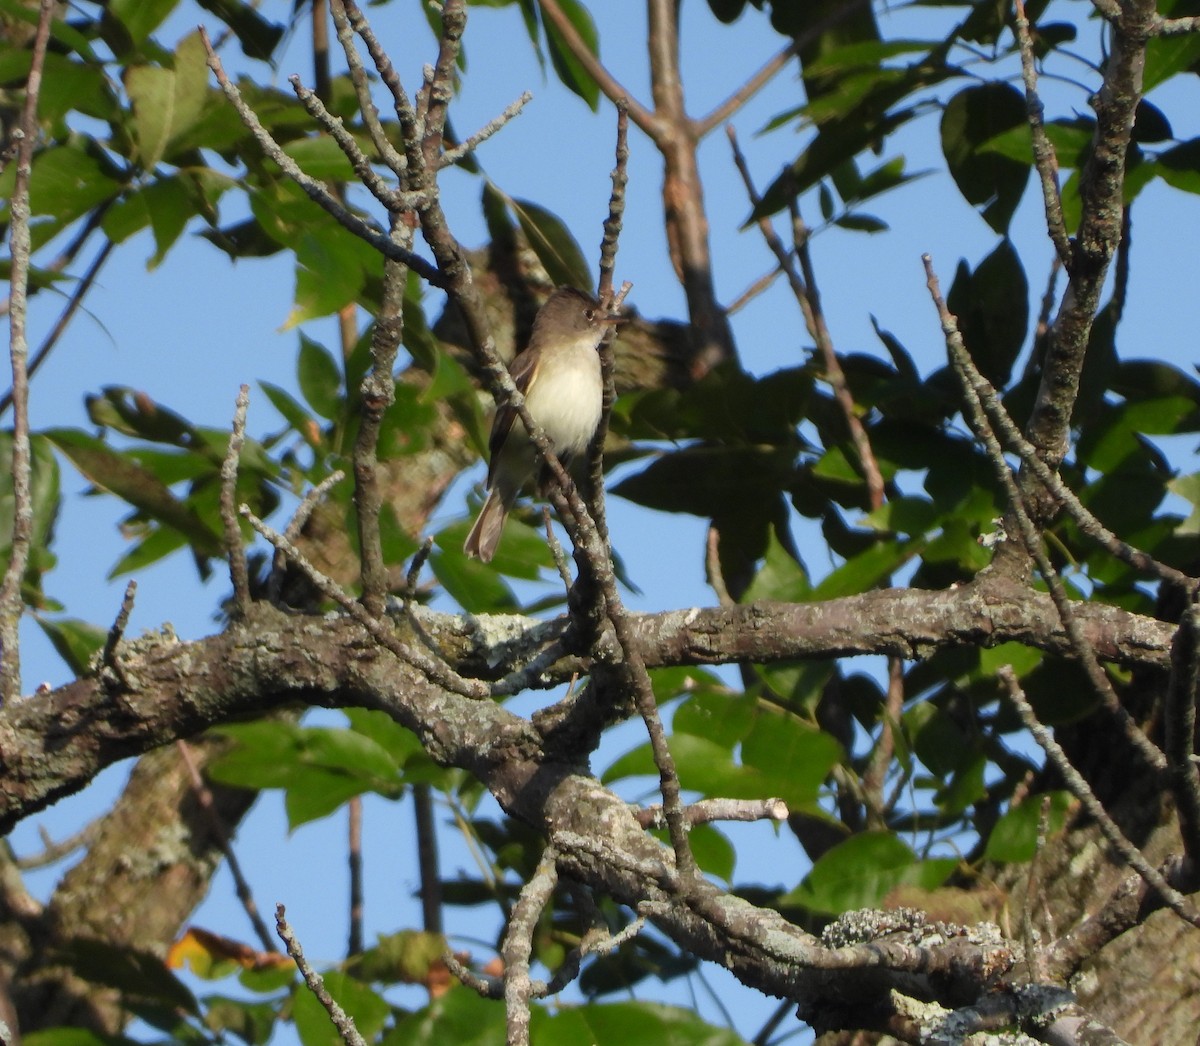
485,534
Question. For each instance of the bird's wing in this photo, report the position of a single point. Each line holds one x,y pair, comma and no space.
523,368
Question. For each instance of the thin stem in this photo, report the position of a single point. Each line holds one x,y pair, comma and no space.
238,571
427,859
342,1021
1044,158
354,863
204,798
11,602
1080,789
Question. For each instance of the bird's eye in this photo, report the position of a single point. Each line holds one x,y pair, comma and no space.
589,313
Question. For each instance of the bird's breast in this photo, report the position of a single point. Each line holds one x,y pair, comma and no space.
565,395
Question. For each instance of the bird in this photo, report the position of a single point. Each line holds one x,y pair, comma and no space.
558,373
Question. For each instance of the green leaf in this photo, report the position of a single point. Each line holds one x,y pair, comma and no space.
792,756
1188,488
626,1024
460,1016
296,416
866,570
570,70
992,306
1015,836
780,577
972,118
553,244
167,101
67,182
76,641
320,157
121,475
258,37
320,379
709,481
860,872
369,1010
141,17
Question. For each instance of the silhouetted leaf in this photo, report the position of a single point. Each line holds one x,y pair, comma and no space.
973,117
554,245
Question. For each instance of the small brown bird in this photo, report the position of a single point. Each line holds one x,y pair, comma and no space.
558,373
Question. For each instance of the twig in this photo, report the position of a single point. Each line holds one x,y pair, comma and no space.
436,672
238,572
1011,435
341,1020
53,852
726,110
296,525
108,656
204,800
556,549
1179,722
1084,653
20,245
452,156
60,325
395,160
1081,790
376,396
1169,26
712,567
314,189
1044,158
753,291
804,289
517,946
874,776
354,865
708,810
608,257
612,88
1028,936
336,129
427,859
414,568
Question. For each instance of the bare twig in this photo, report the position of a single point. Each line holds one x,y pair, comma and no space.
336,129
556,549
1084,653
518,946
608,257
414,568
376,396
292,533
108,656
354,865
341,1020
427,859
708,810
726,110
435,671
1179,716
452,156
11,602
612,88
238,572
85,284
313,188
204,799
1081,790
1044,158
875,775
712,567
1011,435
804,289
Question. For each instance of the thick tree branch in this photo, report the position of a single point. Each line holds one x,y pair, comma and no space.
179,689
